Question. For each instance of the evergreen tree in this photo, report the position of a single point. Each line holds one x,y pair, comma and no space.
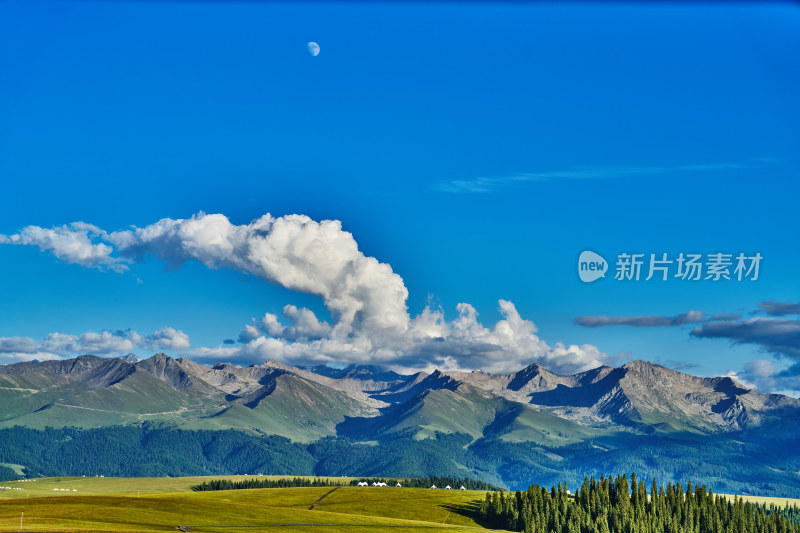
614,506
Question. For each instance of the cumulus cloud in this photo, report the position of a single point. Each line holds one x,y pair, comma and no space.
365,298
271,324
761,368
249,333
303,324
72,243
164,339
60,343
105,343
773,308
772,334
429,342
641,321
18,345
740,379
293,251
8,358
766,375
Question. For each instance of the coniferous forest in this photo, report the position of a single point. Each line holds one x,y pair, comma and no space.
615,505
263,483
151,451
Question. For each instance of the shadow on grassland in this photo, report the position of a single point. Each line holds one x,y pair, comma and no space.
470,510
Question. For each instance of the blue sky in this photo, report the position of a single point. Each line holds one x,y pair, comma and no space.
475,148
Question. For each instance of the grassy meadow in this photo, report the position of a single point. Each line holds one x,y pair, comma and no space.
163,504
93,504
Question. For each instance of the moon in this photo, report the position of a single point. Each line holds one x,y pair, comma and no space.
313,48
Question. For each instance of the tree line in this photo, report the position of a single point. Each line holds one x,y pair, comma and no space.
267,483
734,466
264,483
427,482
608,505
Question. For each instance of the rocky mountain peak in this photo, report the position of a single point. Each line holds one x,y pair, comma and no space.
131,358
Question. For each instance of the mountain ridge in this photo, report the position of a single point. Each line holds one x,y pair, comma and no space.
639,396
510,428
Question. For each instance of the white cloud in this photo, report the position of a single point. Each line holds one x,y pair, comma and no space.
740,379
72,243
761,368
485,184
767,376
304,325
106,343
164,339
295,252
366,299
429,342
574,358
18,344
249,333
271,324
8,358
61,343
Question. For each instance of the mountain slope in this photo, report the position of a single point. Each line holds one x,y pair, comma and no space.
639,395
517,427
289,406
531,405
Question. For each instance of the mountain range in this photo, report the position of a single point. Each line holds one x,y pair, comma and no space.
539,419
306,404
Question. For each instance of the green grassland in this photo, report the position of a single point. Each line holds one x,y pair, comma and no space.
34,402
768,500
43,487
162,504
441,506
291,407
17,469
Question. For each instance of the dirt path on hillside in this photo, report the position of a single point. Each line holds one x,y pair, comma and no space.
323,497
